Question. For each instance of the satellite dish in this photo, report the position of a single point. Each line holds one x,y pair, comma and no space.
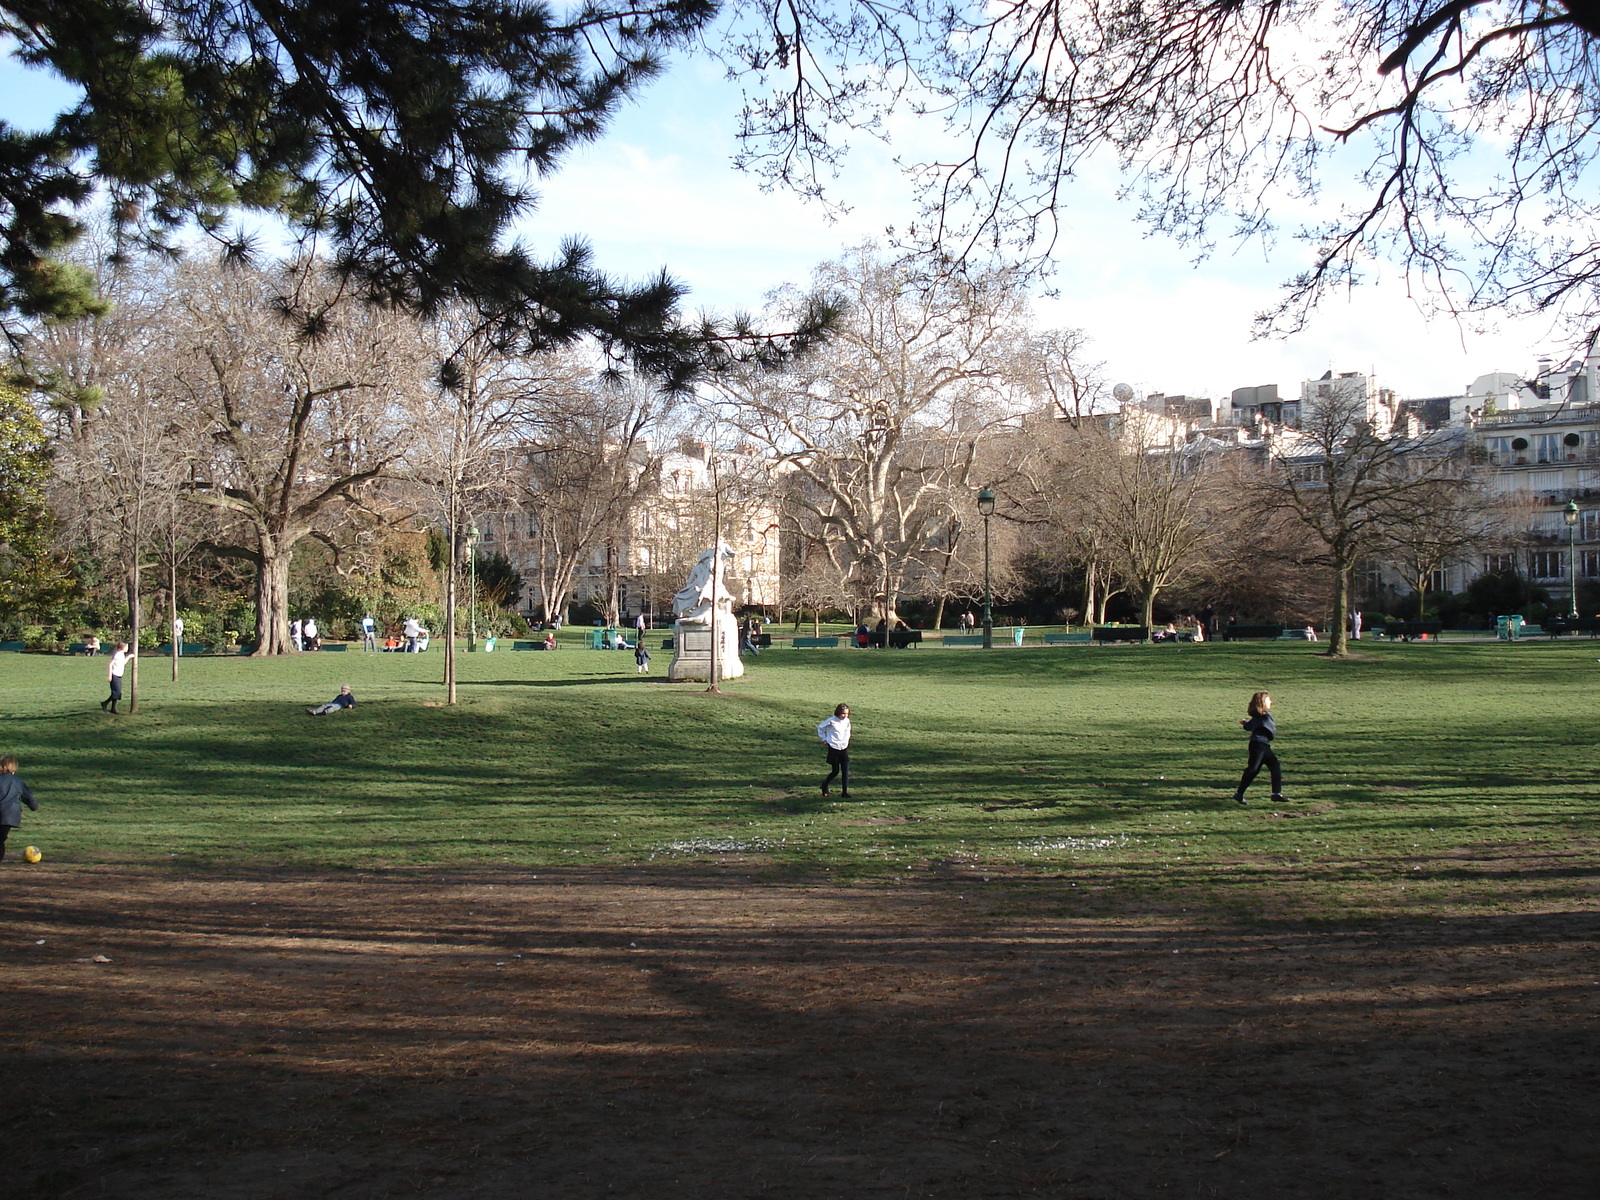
1122,392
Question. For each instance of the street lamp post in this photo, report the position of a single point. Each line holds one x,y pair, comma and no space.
986,507
1571,514
472,588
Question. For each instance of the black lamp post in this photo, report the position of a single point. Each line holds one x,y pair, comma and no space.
1571,514
986,507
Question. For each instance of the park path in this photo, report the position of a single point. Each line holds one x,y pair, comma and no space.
583,1033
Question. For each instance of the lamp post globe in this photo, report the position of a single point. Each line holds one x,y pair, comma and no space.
986,508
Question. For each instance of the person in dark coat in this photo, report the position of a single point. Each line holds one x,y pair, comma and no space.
13,795
343,700
1262,729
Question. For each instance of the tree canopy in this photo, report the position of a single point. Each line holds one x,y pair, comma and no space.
402,137
1466,130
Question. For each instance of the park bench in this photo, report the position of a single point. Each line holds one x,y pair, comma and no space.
1121,633
1239,633
901,638
815,643
1406,630
527,645
13,647
1563,625
762,641
83,648
190,649
1295,635
326,646
963,639
1068,639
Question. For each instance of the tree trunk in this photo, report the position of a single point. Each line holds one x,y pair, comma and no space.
172,604
1090,589
132,673
272,602
938,612
1339,635
1149,606
450,618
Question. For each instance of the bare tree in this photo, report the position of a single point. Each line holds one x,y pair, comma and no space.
1217,110
302,415
878,432
581,474
1350,482
1448,520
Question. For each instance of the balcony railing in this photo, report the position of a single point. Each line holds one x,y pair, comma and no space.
1575,415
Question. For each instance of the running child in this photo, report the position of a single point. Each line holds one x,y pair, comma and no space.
1262,730
835,735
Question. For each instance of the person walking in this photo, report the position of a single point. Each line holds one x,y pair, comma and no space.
13,795
1355,624
177,636
641,656
835,735
296,634
1262,729
114,673
411,631
308,632
369,633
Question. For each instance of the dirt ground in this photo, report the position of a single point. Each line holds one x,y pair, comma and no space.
584,1033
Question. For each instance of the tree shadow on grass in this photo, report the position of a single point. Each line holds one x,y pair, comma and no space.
607,1032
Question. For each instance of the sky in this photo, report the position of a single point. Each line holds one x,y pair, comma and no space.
659,190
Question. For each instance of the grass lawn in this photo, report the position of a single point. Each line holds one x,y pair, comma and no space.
1418,776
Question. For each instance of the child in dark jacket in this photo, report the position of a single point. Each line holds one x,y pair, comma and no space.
343,700
13,795
1262,730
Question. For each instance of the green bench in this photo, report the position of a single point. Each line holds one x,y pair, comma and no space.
83,648
815,643
14,647
325,647
1068,639
1121,633
189,648
1239,633
963,639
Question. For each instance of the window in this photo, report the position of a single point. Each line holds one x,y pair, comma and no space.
1438,580
1549,564
1499,564
1589,525
1589,563
1547,447
1498,449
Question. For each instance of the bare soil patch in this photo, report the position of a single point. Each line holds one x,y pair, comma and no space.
582,1033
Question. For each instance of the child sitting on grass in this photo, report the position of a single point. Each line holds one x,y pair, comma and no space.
343,700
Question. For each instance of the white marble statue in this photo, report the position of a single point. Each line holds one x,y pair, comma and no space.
693,607
692,604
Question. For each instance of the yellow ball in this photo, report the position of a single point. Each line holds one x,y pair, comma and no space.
32,854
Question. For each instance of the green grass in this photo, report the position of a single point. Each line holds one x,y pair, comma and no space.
1418,776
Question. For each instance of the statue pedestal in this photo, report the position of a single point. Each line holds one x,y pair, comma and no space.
691,654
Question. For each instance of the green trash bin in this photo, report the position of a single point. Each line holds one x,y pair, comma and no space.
1016,635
